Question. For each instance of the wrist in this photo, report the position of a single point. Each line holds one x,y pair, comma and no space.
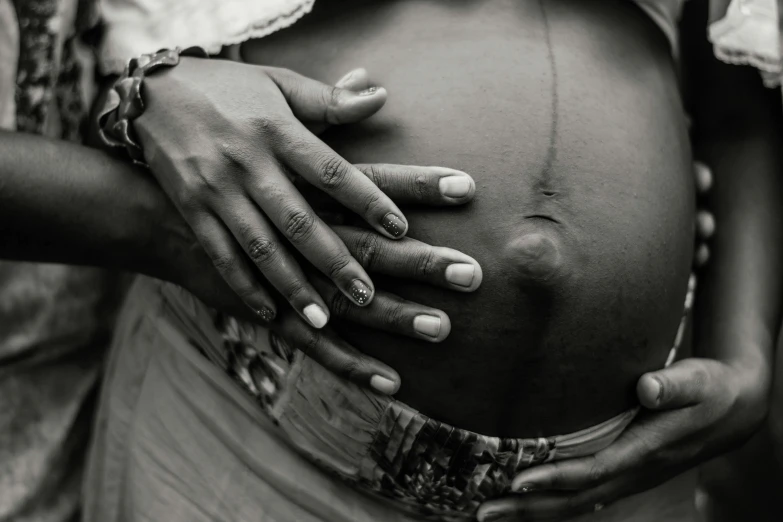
754,384
150,229
125,103
169,243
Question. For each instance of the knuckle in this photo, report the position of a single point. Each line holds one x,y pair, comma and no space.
331,98
293,292
298,224
237,158
333,173
700,377
261,249
377,175
339,305
225,264
245,292
597,473
419,186
371,202
394,314
352,368
193,190
426,263
336,266
266,125
310,343
367,247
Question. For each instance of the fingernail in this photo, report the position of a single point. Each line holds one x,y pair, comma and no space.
659,394
703,177
706,224
360,292
490,516
383,385
460,274
265,314
702,255
454,186
316,315
393,225
650,391
525,487
368,91
428,325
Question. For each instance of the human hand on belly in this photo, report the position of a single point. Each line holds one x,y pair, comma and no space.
694,410
405,258
249,129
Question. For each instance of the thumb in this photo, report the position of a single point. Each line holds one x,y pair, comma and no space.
684,383
356,80
313,101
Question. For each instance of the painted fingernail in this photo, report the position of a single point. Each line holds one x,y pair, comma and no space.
460,274
706,224
428,325
360,292
383,385
491,516
393,225
266,314
316,315
368,91
525,487
454,186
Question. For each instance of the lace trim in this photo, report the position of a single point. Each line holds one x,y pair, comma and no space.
749,34
210,24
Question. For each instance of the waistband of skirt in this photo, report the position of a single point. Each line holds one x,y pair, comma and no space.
378,444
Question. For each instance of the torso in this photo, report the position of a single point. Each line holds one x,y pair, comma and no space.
567,115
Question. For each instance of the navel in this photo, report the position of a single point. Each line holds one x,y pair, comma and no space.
535,257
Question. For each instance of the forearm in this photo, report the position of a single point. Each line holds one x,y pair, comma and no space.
65,203
738,133
738,304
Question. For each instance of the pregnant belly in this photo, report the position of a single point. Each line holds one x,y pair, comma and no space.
567,115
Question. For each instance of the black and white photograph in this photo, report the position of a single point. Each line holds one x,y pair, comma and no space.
391,261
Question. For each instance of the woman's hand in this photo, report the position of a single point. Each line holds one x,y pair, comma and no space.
692,411
182,260
223,140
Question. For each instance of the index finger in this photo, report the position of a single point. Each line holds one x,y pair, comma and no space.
421,185
328,171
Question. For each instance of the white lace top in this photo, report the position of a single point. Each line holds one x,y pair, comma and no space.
742,31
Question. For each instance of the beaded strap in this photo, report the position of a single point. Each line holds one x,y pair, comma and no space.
124,102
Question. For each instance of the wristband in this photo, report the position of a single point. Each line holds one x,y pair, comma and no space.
124,102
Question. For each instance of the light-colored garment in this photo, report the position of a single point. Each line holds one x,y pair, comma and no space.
373,442
178,440
746,32
134,27
54,320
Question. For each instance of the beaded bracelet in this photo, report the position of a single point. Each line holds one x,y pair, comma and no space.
124,102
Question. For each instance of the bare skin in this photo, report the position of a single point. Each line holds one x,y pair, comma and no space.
570,235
